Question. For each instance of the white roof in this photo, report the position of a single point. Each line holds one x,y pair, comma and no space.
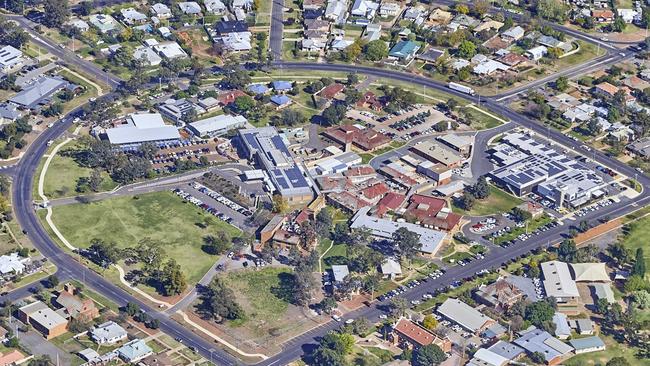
43,315
390,267
142,128
463,314
109,330
190,7
383,228
489,358
170,50
339,272
133,15
161,9
10,56
558,281
218,123
590,272
149,56
12,263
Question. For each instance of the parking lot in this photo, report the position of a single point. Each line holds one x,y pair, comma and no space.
407,124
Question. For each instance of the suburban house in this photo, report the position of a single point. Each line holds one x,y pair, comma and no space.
409,335
134,351
75,307
108,333
403,51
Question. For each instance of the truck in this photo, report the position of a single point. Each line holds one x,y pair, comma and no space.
462,88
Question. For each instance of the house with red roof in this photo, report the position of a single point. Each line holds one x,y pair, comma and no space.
432,211
391,202
331,91
229,97
370,100
375,192
409,335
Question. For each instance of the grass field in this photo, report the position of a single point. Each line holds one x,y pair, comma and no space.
481,121
63,173
614,349
265,295
161,216
498,202
638,236
337,255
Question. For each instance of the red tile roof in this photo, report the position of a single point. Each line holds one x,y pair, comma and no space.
228,97
429,210
366,139
375,191
330,91
414,332
360,171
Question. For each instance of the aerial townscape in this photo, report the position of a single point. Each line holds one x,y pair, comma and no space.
325,182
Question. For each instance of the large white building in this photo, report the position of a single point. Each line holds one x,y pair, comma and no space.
10,58
141,128
558,282
217,126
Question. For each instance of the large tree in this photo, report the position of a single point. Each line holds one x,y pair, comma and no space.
172,279
428,355
56,12
376,50
219,302
639,263
217,244
408,242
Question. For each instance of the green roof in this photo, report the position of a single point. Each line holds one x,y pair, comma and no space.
404,49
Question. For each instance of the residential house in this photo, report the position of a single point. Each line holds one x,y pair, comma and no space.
404,50
336,11
134,351
170,50
39,92
214,6
281,86
103,22
389,9
390,268
148,56
331,91
258,89
370,100
132,16
537,53
313,4
231,26
602,15
628,15
489,67
79,24
364,8
13,264
229,96
513,34
190,7
161,11
372,32
440,16
281,101
108,333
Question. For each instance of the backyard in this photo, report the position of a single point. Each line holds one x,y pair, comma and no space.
179,226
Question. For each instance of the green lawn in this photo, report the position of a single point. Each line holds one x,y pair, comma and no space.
499,201
481,121
161,216
63,173
637,237
614,349
265,294
337,255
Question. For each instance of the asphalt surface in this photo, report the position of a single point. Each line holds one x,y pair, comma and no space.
277,28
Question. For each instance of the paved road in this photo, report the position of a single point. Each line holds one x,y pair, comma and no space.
63,54
277,28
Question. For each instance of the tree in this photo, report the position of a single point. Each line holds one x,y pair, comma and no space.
361,326
466,201
635,283
131,308
602,305
334,114
593,127
353,78
466,49
280,204
324,356
56,12
430,322
561,83
481,190
104,253
554,10
480,8
303,283
327,304
642,299
538,357
324,221
461,8
520,215
218,244
351,52
172,278
567,250
398,306
236,79
52,281
408,242
95,180
639,263
12,34
218,302
428,355
618,361
244,103
292,117
376,50
352,96
618,25
618,253
539,312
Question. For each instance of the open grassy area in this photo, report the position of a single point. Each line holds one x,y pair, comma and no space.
63,173
161,216
265,294
586,53
499,201
637,237
481,121
614,349
337,255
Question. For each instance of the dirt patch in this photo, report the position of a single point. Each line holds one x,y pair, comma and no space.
355,303
597,231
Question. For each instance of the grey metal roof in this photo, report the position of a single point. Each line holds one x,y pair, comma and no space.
39,92
463,314
587,342
541,341
506,349
218,123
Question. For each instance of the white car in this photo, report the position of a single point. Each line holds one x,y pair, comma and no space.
336,317
349,321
